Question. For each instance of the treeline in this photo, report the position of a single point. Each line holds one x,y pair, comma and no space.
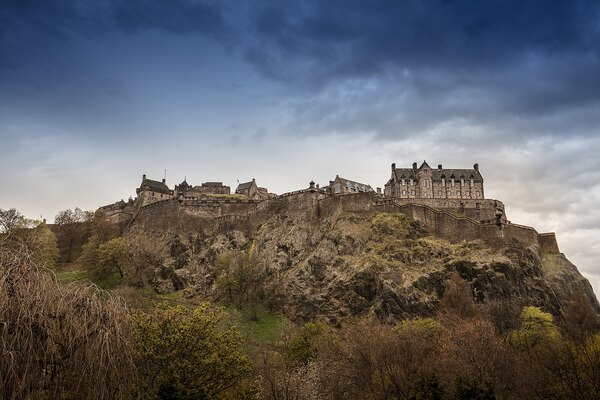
75,341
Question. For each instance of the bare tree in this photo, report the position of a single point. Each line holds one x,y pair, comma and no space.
59,341
9,220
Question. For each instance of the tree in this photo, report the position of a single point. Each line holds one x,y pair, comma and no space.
9,220
580,321
59,341
72,230
43,245
239,279
457,299
186,352
537,328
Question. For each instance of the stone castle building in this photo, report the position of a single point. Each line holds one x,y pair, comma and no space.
449,202
252,191
439,183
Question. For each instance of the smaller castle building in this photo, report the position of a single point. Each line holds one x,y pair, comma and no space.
151,191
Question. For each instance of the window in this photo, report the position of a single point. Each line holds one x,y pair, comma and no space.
452,182
411,182
337,188
439,193
478,195
472,182
412,192
403,182
462,181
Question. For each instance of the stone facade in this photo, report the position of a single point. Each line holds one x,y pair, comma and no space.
151,191
425,182
252,191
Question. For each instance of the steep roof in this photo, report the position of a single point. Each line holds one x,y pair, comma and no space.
458,173
409,173
155,186
405,173
245,185
361,187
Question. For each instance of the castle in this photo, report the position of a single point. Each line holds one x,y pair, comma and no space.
449,202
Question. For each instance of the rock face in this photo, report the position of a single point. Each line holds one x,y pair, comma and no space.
341,264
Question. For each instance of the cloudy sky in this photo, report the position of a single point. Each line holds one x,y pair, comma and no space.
95,93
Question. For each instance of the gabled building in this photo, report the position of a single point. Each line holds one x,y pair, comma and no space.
343,186
252,190
425,182
151,191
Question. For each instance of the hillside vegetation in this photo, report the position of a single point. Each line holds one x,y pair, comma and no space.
344,306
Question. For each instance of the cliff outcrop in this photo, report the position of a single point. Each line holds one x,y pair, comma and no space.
329,262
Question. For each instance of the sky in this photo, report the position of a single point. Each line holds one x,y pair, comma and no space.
94,93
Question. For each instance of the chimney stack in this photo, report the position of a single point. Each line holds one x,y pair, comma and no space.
379,191
476,166
164,180
439,166
144,177
415,166
393,166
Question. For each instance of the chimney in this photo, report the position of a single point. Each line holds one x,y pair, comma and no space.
144,177
379,191
476,166
253,180
439,166
164,180
415,166
393,166
311,185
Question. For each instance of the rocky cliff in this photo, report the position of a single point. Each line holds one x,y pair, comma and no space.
333,263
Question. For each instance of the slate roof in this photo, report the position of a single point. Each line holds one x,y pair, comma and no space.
405,173
155,186
213,184
244,186
361,187
458,173
409,173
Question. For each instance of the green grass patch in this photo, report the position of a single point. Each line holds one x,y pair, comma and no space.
69,273
74,275
264,328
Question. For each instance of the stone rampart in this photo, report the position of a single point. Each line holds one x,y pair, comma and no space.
221,215
455,228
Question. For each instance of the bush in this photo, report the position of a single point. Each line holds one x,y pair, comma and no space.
186,353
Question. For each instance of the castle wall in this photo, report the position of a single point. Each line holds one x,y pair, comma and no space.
214,216
457,228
